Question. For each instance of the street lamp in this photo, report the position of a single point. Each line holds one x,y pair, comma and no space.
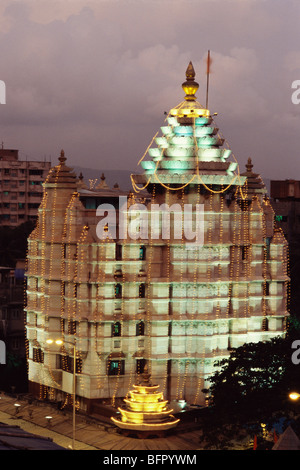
60,342
48,418
17,408
294,395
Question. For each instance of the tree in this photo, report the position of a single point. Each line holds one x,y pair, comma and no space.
13,243
255,380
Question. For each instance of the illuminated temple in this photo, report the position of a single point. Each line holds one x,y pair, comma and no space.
162,302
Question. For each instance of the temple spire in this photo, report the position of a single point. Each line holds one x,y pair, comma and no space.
249,165
62,157
190,86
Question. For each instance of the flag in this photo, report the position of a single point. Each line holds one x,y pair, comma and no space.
255,442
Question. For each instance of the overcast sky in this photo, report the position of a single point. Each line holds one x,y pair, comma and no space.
95,78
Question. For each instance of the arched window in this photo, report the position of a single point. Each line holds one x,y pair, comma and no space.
116,329
118,291
140,328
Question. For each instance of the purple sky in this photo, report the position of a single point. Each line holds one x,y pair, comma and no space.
95,78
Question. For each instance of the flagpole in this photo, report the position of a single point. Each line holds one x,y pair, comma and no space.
207,78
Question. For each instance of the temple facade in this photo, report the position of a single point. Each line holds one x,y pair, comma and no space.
171,276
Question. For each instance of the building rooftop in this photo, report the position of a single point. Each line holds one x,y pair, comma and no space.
15,438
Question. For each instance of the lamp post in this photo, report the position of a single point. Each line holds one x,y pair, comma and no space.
60,342
17,408
294,395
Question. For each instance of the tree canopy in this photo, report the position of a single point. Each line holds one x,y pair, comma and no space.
256,379
13,243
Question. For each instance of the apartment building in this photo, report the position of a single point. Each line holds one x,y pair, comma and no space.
20,187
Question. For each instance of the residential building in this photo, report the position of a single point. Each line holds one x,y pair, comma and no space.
12,320
20,188
285,199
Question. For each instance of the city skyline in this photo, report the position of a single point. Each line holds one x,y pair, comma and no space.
95,78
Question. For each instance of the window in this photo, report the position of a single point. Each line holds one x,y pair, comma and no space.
116,367
66,363
142,290
118,291
118,252
244,250
281,218
15,312
116,329
4,313
140,328
38,355
36,172
140,365
267,288
265,324
16,343
71,327
267,247
142,254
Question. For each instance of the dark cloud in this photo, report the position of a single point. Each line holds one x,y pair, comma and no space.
96,78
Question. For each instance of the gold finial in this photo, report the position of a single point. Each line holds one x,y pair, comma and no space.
190,86
62,157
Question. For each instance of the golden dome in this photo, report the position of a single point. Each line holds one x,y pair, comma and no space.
190,86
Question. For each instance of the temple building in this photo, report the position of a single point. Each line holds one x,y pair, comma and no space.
120,276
